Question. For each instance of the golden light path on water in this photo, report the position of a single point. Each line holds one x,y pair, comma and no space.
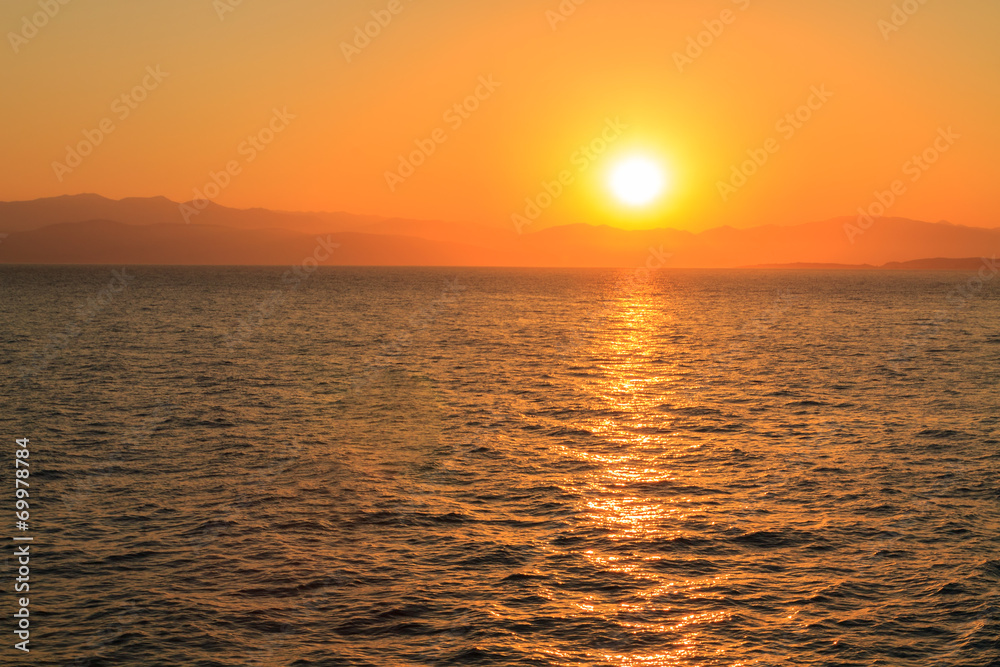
631,389
569,469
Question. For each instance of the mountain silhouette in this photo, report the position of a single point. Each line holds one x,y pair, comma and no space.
90,229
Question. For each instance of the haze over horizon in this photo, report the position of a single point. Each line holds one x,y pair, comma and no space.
188,207
90,229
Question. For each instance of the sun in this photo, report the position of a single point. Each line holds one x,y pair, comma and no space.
637,181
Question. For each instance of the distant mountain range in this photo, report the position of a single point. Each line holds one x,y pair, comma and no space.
90,229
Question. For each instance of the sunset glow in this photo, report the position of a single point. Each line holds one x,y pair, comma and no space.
526,332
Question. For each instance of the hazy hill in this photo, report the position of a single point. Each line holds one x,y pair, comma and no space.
937,264
120,243
38,213
93,229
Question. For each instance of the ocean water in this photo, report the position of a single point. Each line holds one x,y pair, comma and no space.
240,466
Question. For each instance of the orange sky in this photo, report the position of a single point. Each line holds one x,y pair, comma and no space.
556,86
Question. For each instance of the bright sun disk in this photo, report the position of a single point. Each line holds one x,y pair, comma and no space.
637,181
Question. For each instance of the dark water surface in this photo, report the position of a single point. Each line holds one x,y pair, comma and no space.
505,467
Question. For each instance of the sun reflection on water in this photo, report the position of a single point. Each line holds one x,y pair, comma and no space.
631,497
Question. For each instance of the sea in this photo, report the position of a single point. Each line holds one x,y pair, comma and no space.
432,466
